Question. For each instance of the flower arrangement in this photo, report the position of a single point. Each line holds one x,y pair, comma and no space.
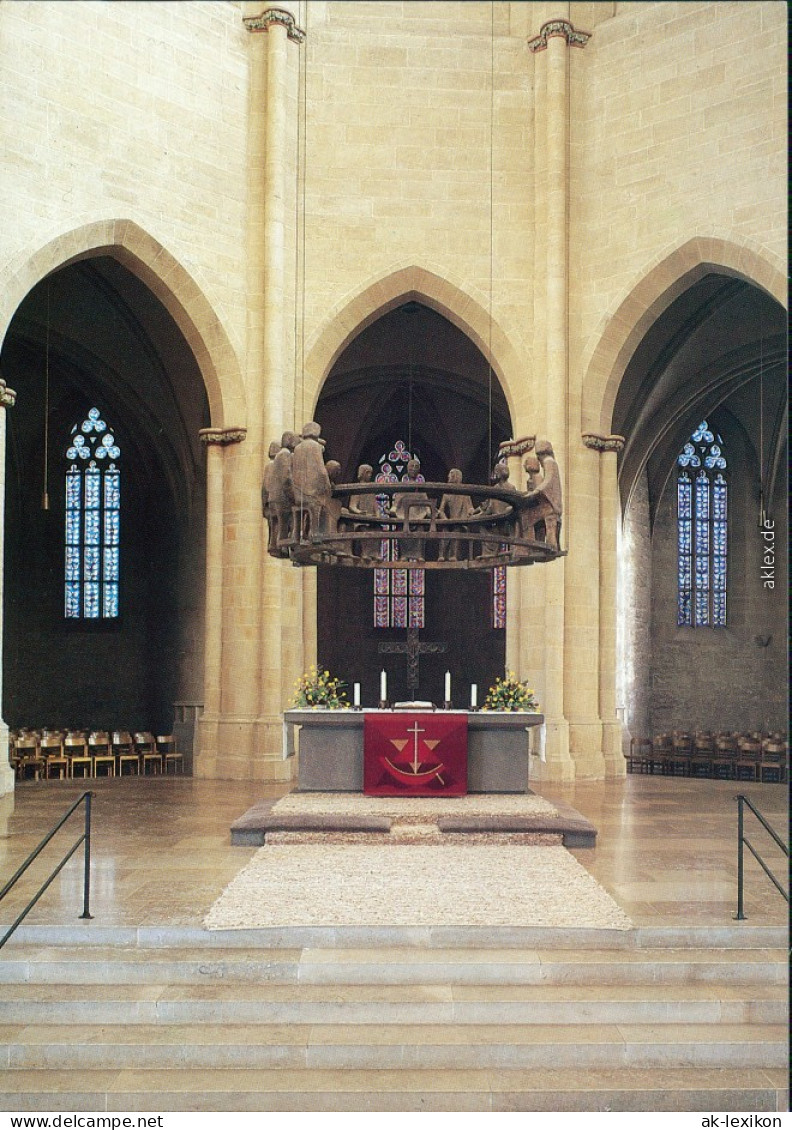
510,693
319,689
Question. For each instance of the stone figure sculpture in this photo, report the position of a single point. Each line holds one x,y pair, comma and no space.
267,506
409,505
366,506
311,483
497,506
332,511
548,506
456,508
281,492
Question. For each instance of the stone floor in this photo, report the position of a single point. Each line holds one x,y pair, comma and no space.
666,848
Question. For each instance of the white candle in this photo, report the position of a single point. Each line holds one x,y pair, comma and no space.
356,694
448,686
473,695
383,687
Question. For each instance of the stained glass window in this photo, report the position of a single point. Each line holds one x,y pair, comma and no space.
702,531
399,594
93,521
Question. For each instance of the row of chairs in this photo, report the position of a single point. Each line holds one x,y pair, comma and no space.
72,754
728,756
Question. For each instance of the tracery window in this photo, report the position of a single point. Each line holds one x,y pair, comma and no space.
702,531
93,521
399,594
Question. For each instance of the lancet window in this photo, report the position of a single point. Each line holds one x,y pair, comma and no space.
93,521
399,594
702,531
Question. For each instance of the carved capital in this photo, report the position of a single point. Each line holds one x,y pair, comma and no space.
562,28
221,437
603,443
7,395
516,447
272,16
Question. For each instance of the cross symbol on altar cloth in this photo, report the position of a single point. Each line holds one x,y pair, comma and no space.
414,648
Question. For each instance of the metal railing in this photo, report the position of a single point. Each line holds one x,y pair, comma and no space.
743,842
85,839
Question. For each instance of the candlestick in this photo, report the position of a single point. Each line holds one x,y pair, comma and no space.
383,689
473,696
356,694
448,686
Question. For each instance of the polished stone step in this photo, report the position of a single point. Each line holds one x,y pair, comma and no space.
348,1047
242,1003
542,1089
391,965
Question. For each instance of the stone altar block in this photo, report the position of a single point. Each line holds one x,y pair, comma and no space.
331,749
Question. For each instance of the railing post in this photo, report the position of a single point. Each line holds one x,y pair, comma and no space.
740,916
87,858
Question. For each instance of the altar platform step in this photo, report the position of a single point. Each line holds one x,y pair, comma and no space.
631,1024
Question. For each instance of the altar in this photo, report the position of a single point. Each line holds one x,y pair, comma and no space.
329,747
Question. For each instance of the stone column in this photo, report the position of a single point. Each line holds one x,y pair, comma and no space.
272,138
552,134
7,400
215,440
610,516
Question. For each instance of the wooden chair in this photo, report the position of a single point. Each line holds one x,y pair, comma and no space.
56,763
150,757
640,756
773,762
75,747
127,758
101,751
724,758
29,762
172,759
746,766
680,753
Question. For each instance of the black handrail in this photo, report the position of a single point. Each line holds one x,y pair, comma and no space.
742,839
85,838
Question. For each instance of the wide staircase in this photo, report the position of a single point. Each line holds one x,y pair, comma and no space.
555,1020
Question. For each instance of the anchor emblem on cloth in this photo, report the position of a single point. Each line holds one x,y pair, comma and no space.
412,772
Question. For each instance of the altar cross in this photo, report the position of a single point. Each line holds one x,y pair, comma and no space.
414,648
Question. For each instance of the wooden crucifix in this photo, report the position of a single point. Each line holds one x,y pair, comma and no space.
414,648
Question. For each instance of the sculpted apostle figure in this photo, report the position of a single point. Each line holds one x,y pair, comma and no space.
280,492
497,506
267,506
548,492
456,508
366,506
406,506
311,483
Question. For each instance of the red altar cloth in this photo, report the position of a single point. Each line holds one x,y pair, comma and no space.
406,754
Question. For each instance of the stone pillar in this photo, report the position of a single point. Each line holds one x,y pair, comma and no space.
216,440
552,142
272,137
7,400
609,448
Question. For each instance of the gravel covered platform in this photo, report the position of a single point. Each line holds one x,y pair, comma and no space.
410,885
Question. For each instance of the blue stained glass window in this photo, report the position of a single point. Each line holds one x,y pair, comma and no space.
702,531
399,594
93,521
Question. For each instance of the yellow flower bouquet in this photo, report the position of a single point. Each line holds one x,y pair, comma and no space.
319,689
509,693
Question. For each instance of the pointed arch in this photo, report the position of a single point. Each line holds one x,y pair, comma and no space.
652,292
166,277
463,307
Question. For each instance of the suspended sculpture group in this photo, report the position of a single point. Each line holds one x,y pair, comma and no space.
315,520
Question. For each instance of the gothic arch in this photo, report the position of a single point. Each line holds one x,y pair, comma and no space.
415,283
628,320
165,276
